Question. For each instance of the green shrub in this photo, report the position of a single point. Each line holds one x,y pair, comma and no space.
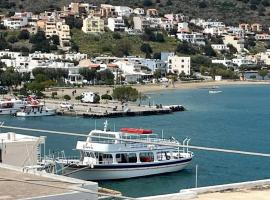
67,97
106,96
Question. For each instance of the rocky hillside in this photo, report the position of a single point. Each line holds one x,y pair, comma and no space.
229,11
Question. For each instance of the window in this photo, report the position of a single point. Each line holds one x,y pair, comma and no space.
126,158
104,158
163,155
147,157
0,155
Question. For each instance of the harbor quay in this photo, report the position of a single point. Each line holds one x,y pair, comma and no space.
111,109
259,190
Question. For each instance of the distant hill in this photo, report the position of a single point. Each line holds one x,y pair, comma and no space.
230,11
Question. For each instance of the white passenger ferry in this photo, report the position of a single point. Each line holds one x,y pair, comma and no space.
107,155
9,106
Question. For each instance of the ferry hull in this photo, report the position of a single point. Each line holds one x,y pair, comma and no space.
105,172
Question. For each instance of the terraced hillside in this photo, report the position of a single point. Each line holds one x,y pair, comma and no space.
230,11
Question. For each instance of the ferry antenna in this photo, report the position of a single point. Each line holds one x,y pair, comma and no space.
140,141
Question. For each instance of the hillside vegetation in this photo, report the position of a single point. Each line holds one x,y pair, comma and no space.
229,11
115,44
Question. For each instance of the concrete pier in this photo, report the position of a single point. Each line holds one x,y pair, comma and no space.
112,109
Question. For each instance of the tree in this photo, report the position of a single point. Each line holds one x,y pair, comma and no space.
106,76
4,44
55,39
263,73
146,48
186,48
24,35
157,74
232,49
169,3
12,39
125,93
209,51
88,74
147,3
202,4
74,22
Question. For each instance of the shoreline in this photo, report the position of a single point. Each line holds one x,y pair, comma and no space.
151,88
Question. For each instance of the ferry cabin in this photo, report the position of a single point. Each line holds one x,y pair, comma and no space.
115,151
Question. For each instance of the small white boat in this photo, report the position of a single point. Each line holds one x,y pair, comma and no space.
35,109
9,106
107,155
214,91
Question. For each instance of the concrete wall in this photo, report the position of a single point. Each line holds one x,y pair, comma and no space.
19,154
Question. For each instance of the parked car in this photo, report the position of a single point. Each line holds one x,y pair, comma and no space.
66,105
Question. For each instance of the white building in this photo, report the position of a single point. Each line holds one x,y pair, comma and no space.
20,150
123,11
116,24
265,57
183,27
237,42
167,25
179,65
139,11
212,24
214,30
16,22
225,62
243,61
263,36
220,47
63,32
194,38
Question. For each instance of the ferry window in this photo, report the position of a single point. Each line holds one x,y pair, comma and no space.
104,158
147,157
132,158
126,158
122,158
103,140
163,155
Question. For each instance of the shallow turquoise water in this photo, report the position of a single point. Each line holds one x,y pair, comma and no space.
238,118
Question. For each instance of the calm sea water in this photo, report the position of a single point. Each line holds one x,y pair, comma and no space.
238,118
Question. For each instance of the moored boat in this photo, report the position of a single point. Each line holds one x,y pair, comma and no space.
35,109
127,153
9,106
214,91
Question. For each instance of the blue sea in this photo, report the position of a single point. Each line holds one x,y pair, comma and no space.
238,118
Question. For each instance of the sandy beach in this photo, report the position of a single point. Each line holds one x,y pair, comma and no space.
150,88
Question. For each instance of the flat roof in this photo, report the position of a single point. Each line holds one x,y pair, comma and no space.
11,137
23,183
12,189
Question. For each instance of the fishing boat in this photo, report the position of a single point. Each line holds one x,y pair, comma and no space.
128,153
35,109
9,106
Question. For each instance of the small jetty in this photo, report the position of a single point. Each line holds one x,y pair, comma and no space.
113,109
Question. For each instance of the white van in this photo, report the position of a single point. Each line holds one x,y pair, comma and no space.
90,97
